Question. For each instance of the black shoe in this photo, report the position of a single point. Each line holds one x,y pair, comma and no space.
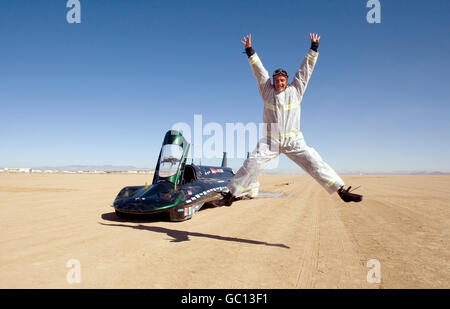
346,196
227,200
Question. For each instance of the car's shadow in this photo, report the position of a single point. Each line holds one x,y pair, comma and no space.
158,217
176,235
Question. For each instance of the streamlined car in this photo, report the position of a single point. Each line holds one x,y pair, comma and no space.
177,188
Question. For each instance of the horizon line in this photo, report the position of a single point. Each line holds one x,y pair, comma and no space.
122,168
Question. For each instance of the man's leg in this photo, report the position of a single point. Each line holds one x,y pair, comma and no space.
246,177
311,162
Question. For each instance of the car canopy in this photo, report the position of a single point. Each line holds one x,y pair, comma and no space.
172,158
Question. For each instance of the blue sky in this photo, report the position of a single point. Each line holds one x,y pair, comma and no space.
105,91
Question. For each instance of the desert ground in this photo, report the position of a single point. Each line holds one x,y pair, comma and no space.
302,238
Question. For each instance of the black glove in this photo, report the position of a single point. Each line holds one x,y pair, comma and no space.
314,46
249,51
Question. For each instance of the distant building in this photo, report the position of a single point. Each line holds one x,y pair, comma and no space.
17,169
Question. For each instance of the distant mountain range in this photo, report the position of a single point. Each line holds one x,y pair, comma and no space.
92,168
394,173
428,173
350,172
125,168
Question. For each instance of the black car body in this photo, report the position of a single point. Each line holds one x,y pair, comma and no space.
178,188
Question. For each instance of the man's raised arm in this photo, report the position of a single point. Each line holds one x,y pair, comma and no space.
302,76
259,72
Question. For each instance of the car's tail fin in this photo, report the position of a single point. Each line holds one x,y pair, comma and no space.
224,160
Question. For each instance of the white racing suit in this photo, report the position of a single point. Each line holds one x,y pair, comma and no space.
283,135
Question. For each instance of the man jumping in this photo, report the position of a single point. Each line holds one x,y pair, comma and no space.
282,117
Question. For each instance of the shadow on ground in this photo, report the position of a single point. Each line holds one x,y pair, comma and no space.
134,218
180,236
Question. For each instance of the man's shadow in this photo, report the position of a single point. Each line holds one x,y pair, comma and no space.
179,236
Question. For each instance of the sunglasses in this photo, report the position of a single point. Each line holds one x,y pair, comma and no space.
280,72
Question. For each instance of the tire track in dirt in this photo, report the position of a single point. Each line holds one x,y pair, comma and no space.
309,258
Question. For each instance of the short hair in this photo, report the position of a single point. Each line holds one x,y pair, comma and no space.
280,72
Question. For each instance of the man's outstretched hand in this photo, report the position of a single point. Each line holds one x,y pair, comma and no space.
247,41
314,37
